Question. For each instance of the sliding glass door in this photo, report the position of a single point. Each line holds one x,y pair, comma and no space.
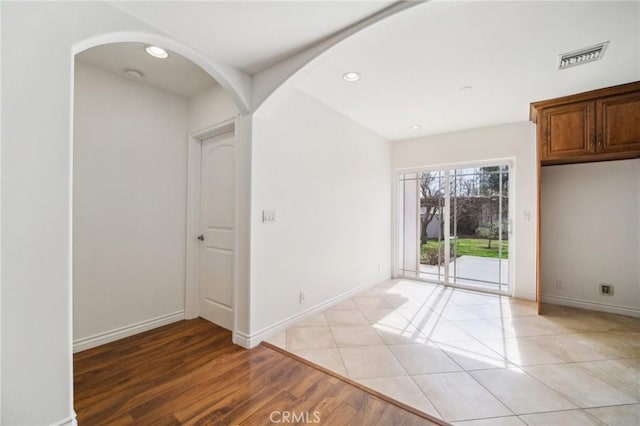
454,226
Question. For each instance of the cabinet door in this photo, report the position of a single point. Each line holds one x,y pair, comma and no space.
568,131
619,123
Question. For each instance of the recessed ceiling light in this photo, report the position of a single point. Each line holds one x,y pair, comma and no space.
416,127
156,52
351,76
133,73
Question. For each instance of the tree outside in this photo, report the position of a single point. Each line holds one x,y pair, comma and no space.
476,219
431,202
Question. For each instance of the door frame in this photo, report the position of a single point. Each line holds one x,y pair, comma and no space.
192,270
511,162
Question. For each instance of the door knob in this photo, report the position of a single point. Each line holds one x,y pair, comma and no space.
201,237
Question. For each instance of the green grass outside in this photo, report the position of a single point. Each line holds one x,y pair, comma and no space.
473,247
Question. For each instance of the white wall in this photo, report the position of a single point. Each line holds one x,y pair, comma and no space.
591,234
327,178
38,41
210,107
129,202
36,221
516,140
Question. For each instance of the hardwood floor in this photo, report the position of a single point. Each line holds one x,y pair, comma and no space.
190,373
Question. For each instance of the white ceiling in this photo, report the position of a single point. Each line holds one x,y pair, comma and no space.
175,74
414,63
251,35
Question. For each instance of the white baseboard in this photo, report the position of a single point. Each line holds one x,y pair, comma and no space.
126,331
69,421
252,340
592,306
242,339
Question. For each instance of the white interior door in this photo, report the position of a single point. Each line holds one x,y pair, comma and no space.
217,230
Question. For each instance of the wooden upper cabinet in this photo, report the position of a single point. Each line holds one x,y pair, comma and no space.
619,123
592,126
568,130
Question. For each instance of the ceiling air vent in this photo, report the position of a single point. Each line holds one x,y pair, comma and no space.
582,56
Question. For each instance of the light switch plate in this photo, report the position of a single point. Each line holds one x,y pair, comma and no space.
268,216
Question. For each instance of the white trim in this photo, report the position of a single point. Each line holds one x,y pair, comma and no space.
503,161
446,212
191,305
512,210
215,129
252,340
71,212
592,306
242,339
126,331
242,222
69,421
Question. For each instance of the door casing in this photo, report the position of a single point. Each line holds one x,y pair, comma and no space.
512,209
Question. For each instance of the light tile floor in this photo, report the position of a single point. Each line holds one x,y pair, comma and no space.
479,359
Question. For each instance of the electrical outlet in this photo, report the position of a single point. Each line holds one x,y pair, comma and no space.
606,289
379,267
301,301
559,285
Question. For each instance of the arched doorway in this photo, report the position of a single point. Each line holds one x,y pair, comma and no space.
131,267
